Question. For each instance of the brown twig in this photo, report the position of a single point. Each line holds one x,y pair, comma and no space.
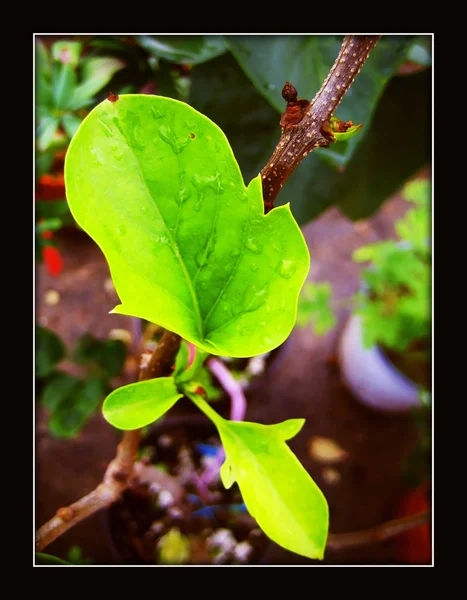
305,125
120,469
389,529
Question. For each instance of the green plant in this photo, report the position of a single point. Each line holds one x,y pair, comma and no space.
190,247
65,87
394,303
71,400
394,299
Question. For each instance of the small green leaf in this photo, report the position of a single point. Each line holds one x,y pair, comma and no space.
194,369
192,49
43,63
156,185
58,389
58,209
138,404
181,360
63,84
97,72
70,124
48,559
74,410
277,490
314,306
107,355
52,224
50,350
345,135
45,132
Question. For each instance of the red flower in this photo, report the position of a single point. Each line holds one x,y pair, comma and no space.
53,260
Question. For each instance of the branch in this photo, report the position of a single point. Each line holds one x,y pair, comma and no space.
340,541
305,124
120,469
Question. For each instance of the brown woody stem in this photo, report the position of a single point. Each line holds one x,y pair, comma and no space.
120,469
389,529
298,140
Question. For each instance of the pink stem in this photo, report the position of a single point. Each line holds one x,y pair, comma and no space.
231,386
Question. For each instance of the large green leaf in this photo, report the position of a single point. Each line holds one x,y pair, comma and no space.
222,91
139,404
156,185
397,145
185,49
277,490
305,61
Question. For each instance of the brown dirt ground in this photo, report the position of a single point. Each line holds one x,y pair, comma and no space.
301,382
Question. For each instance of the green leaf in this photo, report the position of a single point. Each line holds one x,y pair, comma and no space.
74,410
50,350
277,490
107,355
48,559
58,209
314,306
43,63
181,360
46,131
191,49
383,163
48,225
70,124
138,404
305,61
63,85
58,388
156,185
97,72
221,91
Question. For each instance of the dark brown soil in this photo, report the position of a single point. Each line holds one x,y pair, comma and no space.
303,381
202,514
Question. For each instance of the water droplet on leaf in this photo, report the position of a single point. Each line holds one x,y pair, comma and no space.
286,268
254,246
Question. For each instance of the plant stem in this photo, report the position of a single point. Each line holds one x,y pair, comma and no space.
120,469
389,529
299,139
231,386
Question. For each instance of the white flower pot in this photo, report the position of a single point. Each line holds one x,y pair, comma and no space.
371,377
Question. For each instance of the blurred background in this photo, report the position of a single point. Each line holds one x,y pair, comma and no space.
357,365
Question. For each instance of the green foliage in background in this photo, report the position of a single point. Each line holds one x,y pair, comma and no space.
314,305
71,400
394,303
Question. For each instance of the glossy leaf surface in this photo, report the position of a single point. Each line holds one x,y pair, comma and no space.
277,490
139,404
156,185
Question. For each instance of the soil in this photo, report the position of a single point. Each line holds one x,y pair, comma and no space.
362,481
211,519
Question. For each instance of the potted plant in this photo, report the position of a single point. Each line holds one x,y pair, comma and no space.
211,279
385,348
